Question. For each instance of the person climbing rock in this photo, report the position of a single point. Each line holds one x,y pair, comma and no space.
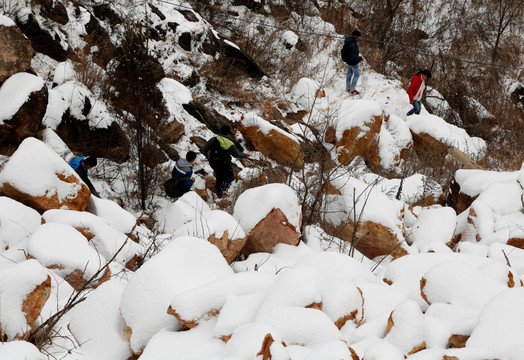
81,164
417,90
219,150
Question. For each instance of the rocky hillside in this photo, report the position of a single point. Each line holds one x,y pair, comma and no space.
422,210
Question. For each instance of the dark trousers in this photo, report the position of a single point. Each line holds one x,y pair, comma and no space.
224,178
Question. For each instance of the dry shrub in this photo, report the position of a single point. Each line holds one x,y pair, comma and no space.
229,80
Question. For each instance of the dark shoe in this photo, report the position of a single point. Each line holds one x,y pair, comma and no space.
355,92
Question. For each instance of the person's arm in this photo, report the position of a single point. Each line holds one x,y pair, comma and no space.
208,146
354,54
233,151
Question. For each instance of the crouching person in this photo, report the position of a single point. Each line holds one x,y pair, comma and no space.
182,176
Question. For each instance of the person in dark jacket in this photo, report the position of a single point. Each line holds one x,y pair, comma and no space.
219,150
183,173
81,164
352,57
416,90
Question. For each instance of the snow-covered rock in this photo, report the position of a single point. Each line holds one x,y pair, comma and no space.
269,214
37,177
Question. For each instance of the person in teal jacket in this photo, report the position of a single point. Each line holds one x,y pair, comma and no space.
219,150
81,164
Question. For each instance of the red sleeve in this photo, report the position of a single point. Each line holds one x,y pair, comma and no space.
414,86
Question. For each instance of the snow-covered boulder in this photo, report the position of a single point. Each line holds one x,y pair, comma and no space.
356,131
220,229
117,217
101,236
17,222
37,177
20,350
497,214
404,274
433,137
187,208
272,141
24,290
67,253
23,102
406,328
200,304
459,284
501,323
185,263
98,326
376,218
433,230
269,214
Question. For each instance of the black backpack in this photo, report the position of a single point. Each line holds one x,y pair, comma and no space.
218,157
172,189
344,53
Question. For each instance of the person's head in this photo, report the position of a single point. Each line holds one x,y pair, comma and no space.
356,33
90,161
191,156
426,74
225,130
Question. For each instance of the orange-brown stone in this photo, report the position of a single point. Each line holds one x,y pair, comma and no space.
359,141
44,202
372,239
272,230
228,247
275,145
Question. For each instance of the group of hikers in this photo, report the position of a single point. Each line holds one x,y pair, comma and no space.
220,149
351,56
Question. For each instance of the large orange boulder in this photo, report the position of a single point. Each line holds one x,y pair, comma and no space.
15,50
272,141
274,217
365,217
356,132
36,176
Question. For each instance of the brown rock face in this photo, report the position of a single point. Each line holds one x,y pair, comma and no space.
358,142
458,341
35,301
228,247
41,40
27,122
82,139
272,230
430,151
15,52
265,350
372,239
44,202
458,200
275,145
77,281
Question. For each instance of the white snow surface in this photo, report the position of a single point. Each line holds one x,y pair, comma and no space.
15,91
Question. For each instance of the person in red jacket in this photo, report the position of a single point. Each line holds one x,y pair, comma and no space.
417,90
